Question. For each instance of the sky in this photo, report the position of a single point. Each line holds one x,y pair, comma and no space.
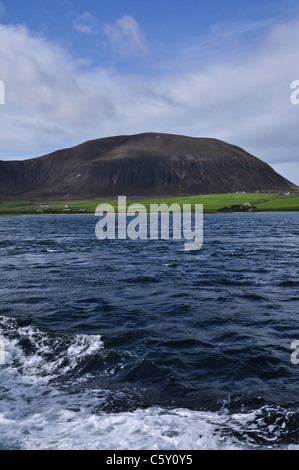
74,70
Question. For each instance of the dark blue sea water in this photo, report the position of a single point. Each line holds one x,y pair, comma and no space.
123,344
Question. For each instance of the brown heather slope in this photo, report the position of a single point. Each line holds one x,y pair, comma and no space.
150,164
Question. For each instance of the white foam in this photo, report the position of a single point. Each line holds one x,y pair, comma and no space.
44,363
57,426
153,429
35,414
82,347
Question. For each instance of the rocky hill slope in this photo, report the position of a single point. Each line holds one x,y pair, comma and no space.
148,164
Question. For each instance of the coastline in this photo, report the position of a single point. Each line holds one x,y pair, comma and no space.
76,214
228,203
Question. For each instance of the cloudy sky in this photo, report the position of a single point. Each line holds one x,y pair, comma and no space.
77,70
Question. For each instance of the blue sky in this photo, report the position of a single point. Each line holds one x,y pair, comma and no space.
168,26
77,70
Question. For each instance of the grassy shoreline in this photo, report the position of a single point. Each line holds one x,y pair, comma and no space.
212,203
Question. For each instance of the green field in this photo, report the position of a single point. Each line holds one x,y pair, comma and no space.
212,203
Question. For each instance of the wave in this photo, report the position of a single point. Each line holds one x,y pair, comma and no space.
40,408
64,424
37,354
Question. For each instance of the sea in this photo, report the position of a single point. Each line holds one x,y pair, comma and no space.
142,345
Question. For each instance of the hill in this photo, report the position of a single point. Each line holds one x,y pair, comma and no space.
146,165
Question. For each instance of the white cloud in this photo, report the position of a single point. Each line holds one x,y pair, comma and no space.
223,42
49,99
52,101
126,37
86,23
